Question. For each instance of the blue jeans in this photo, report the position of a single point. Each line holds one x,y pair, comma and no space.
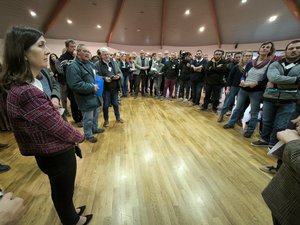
275,117
255,100
125,85
110,97
90,122
196,91
229,100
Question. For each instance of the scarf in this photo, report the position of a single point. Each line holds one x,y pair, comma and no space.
261,64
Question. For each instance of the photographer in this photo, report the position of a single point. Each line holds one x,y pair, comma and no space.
111,73
185,68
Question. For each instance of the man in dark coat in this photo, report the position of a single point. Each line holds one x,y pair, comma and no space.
81,80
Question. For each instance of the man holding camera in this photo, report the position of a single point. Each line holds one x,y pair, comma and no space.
111,73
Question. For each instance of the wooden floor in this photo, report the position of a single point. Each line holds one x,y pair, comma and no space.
168,164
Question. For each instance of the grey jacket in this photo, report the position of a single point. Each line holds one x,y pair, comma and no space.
282,195
286,89
138,65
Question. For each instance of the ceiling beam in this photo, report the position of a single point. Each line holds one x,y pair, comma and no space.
163,22
117,16
214,18
293,7
60,6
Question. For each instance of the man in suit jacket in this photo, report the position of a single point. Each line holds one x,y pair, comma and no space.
81,80
142,65
111,73
282,195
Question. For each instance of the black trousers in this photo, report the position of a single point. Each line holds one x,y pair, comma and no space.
61,170
212,92
137,80
76,113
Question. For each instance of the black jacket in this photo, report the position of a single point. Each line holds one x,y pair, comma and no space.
171,69
198,76
215,72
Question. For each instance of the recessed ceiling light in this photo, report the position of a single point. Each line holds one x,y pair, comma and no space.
273,18
201,29
187,12
243,1
98,26
32,13
69,21
138,30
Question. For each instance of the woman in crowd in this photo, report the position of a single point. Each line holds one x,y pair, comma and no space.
233,82
253,84
38,127
52,58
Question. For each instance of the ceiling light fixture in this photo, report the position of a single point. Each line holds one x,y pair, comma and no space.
138,30
69,21
243,1
273,18
201,29
98,26
187,12
32,13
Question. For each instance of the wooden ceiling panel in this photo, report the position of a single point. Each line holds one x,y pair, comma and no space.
139,23
238,23
248,23
17,13
85,16
183,30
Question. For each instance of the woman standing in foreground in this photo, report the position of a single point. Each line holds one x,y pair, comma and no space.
38,127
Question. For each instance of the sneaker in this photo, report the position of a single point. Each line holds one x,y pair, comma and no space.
106,124
268,169
120,120
185,100
204,108
227,126
3,146
247,135
98,131
4,168
259,143
91,139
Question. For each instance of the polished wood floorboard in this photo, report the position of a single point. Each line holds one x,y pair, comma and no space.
168,164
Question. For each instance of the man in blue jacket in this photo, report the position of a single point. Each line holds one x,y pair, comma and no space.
81,80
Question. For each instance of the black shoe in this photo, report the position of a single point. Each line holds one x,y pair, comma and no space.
247,135
88,219
204,108
81,210
227,126
98,131
91,139
4,168
3,146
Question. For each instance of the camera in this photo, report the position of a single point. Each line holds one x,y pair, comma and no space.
183,54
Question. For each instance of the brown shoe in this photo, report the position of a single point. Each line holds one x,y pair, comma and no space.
106,124
120,120
220,119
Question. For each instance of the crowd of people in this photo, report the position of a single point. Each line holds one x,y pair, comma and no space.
36,97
